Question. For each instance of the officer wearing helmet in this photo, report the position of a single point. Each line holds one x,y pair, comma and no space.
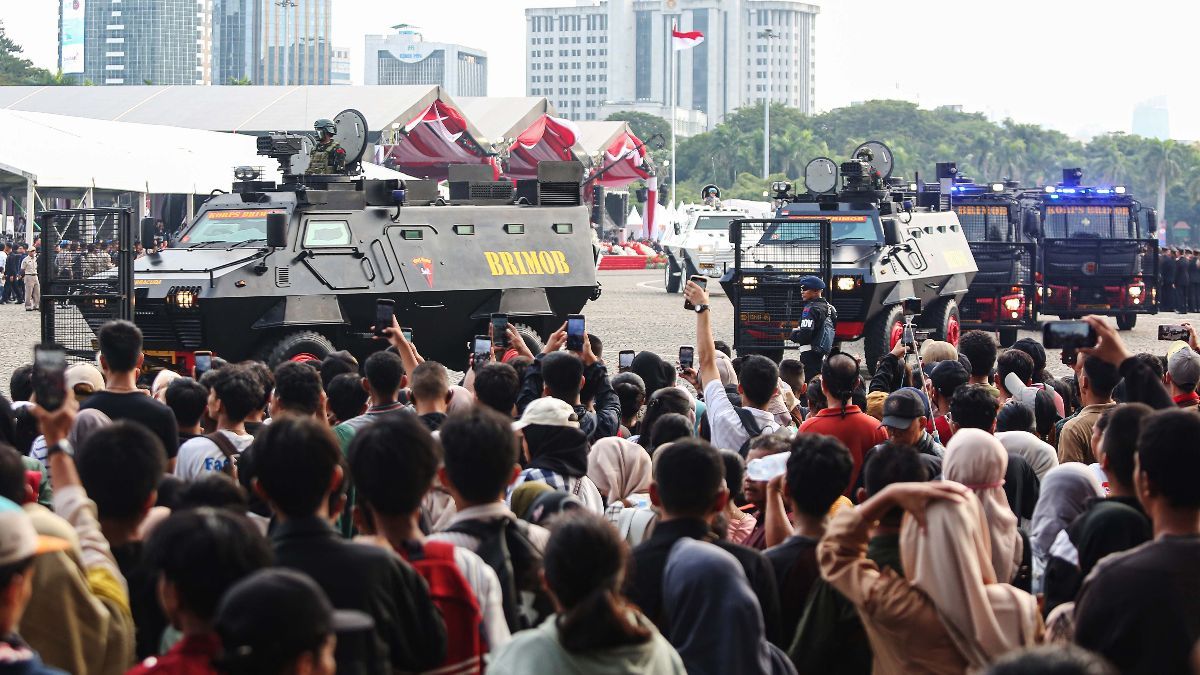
817,329
327,157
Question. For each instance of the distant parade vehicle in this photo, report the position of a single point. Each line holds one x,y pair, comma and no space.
700,246
1097,250
877,241
294,270
1003,295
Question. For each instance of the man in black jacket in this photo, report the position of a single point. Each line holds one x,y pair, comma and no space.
814,334
564,375
1166,276
13,285
297,465
689,489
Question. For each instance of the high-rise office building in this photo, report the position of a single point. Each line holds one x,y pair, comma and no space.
272,41
339,69
135,41
404,57
609,52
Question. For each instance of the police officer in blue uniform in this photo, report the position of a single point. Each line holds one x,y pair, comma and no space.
818,324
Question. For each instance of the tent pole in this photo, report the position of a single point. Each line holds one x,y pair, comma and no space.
673,57
30,207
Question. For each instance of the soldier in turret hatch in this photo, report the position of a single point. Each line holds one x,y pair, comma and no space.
327,157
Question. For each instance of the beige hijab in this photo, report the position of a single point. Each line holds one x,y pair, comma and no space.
619,468
976,459
949,562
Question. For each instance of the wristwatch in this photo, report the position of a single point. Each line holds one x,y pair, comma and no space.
64,446
700,309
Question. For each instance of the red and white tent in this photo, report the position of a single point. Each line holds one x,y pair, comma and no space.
434,139
613,144
526,131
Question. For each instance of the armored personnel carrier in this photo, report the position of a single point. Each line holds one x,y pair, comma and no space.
293,269
700,245
877,241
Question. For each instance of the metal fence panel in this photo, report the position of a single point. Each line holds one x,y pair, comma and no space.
86,272
770,257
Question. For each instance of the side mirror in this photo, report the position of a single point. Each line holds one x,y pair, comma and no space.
147,233
678,229
893,235
277,230
1032,225
1151,224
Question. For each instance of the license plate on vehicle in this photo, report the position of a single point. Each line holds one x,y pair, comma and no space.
707,266
1092,306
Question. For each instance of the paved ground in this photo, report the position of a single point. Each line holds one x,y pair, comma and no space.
633,313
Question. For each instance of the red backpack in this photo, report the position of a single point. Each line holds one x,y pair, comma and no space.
454,598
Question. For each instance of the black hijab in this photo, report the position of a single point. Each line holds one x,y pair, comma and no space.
656,373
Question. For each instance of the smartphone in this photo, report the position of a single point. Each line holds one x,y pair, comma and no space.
407,334
702,282
912,306
1172,332
500,331
50,376
687,356
1068,335
575,333
625,360
203,363
384,311
481,349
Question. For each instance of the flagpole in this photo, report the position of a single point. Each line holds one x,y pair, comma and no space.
673,57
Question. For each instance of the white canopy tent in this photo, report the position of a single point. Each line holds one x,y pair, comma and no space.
47,154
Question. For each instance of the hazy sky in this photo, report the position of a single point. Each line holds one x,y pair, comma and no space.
1078,67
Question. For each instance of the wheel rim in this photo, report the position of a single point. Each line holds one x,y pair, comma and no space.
952,330
896,334
303,356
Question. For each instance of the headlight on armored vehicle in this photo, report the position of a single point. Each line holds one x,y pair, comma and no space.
1135,291
1012,304
184,297
847,283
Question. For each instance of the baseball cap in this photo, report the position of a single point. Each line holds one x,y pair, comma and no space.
19,540
812,282
548,412
1183,365
902,407
85,373
276,613
948,376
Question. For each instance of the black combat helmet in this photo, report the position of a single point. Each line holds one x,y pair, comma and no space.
325,125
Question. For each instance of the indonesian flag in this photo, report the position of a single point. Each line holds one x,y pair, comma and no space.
683,41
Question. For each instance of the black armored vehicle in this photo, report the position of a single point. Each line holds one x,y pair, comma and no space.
1098,250
293,270
1002,297
877,241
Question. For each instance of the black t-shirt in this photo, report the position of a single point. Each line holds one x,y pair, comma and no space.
1141,608
138,407
143,598
433,420
795,565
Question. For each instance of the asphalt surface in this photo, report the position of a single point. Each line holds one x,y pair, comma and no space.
634,312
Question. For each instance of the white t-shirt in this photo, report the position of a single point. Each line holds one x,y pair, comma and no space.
198,456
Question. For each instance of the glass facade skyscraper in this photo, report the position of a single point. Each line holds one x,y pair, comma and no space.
162,42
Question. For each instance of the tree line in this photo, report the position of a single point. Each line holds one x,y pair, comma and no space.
1164,174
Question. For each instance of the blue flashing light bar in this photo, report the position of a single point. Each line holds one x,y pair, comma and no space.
1089,191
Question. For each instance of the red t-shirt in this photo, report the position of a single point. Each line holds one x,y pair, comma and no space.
192,655
857,430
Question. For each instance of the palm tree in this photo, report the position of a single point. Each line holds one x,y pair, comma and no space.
1108,159
1162,162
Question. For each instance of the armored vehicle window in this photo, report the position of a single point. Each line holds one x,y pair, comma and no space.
983,222
230,227
714,223
1093,220
327,233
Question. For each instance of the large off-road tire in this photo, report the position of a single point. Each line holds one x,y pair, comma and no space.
531,337
942,317
672,276
1008,336
881,334
295,344
1126,321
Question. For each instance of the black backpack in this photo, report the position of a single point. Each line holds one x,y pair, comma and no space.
750,424
504,544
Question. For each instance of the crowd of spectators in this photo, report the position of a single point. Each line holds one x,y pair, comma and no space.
965,512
